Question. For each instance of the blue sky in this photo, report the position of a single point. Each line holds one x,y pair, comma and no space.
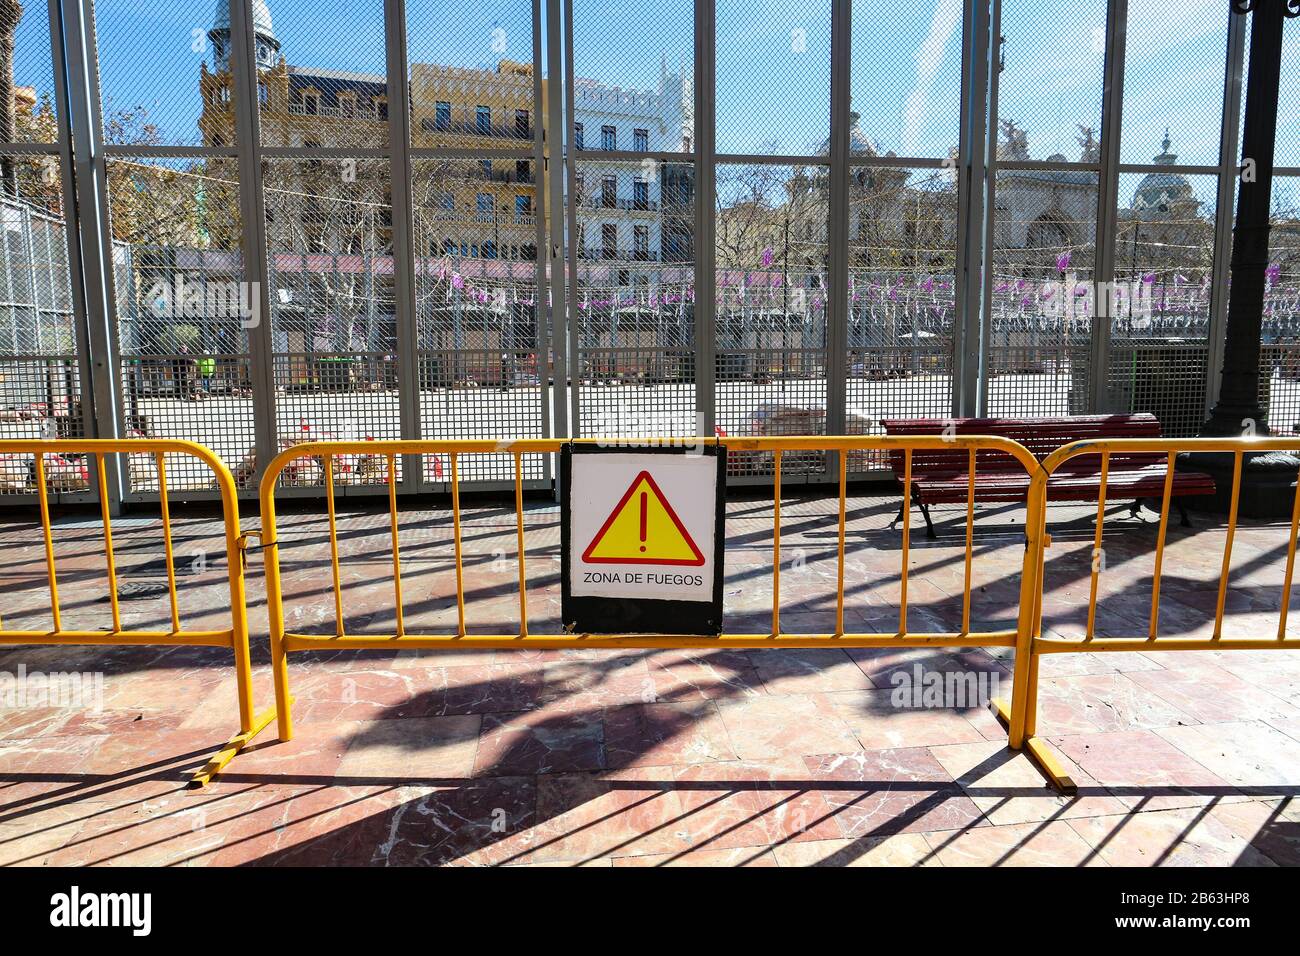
773,63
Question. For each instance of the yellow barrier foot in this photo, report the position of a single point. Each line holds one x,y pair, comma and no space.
232,747
1040,754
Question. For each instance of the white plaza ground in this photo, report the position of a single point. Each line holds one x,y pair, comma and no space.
225,423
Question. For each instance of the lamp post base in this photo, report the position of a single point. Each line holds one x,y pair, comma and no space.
1268,483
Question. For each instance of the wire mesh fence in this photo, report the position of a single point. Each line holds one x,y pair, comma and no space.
475,351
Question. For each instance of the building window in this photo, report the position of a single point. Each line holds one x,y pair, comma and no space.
310,103
486,166
489,250
608,137
348,104
579,187
523,171
381,108
263,93
522,129
577,136
641,241
523,207
609,240
448,203
483,202
641,140
641,194
608,192
483,120
442,117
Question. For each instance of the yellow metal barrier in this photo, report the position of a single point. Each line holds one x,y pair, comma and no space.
235,637
283,642
1023,716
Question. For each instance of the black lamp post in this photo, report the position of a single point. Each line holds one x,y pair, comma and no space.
1267,479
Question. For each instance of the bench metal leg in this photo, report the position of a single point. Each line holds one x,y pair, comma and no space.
1135,510
925,513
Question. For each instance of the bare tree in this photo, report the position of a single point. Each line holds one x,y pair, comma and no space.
11,11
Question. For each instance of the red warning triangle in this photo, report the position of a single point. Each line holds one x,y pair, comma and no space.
643,528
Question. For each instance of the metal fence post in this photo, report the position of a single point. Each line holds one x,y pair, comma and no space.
988,223
399,177
556,247
243,69
60,44
705,215
837,277
93,227
543,327
969,175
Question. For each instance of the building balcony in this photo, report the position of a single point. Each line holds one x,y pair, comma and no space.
431,127
332,112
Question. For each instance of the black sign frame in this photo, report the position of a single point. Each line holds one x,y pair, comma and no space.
599,615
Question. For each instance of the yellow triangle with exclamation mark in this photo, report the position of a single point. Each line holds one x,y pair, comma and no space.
643,528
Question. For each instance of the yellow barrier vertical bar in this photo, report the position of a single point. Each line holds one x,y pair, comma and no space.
907,540
776,543
455,530
238,597
1023,688
1096,548
839,588
519,526
111,562
275,607
1160,547
1290,564
44,496
1227,547
970,540
334,545
167,538
397,561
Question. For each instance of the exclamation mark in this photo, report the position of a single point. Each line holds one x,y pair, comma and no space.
643,516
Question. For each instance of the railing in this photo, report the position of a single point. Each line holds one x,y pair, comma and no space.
1023,719
383,459
327,454
95,458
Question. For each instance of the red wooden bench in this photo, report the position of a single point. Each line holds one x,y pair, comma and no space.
942,477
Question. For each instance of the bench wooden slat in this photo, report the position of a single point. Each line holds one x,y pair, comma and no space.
942,476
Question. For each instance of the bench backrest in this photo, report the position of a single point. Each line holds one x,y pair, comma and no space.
1041,436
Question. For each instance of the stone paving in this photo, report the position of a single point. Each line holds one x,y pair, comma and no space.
650,758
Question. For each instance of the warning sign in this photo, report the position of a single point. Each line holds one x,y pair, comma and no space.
642,539
643,528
